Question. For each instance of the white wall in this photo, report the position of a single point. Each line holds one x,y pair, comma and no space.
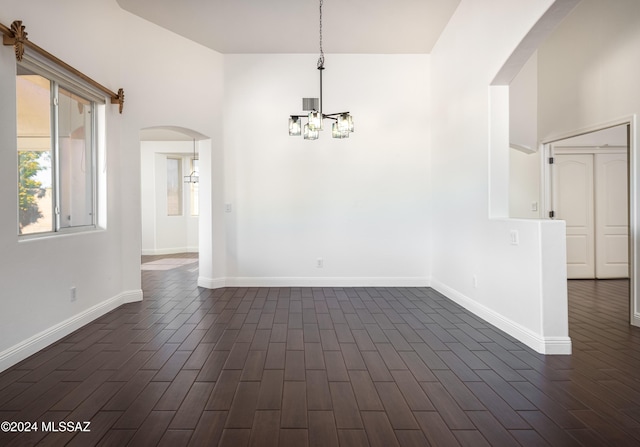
524,185
524,155
361,204
36,275
161,233
588,76
588,68
523,106
520,288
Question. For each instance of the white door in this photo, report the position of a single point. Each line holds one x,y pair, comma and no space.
612,219
573,202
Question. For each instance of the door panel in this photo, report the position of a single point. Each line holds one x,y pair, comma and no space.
612,219
574,203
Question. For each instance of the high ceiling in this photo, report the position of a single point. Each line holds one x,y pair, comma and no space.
292,26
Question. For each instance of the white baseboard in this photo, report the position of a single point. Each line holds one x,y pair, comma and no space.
168,251
556,346
209,283
537,342
327,282
132,296
24,349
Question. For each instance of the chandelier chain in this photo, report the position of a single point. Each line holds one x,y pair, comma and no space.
321,59
343,122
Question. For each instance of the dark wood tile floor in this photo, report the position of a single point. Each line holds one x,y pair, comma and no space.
327,367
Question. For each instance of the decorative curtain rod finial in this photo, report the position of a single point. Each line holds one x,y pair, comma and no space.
119,99
17,38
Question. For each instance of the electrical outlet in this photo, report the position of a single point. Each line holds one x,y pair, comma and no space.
475,281
228,208
74,295
319,263
515,237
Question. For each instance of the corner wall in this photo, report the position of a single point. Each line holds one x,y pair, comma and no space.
508,271
104,265
37,274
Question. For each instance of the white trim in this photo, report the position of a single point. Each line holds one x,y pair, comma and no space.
168,251
24,349
217,283
569,150
553,138
132,296
328,282
634,210
634,222
543,345
523,148
212,283
556,346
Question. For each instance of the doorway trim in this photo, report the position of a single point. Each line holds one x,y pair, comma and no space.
633,195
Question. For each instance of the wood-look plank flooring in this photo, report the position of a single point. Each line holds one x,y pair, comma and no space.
326,367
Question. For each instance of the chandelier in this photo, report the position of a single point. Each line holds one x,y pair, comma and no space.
194,177
343,121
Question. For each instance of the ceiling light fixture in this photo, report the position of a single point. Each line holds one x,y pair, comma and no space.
343,124
193,177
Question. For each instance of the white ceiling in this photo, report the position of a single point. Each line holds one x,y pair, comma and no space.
292,26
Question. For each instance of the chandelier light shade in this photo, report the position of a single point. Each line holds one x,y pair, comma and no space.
343,121
315,120
294,126
337,132
311,133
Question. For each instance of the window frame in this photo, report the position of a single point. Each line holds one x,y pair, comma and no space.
60,79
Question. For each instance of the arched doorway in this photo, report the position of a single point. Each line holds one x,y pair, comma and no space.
176,216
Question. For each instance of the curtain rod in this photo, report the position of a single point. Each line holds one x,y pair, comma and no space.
17,36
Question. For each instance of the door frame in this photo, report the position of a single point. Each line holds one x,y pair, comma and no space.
559,151
633,162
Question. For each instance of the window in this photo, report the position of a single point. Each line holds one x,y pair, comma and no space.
56,152
174,186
